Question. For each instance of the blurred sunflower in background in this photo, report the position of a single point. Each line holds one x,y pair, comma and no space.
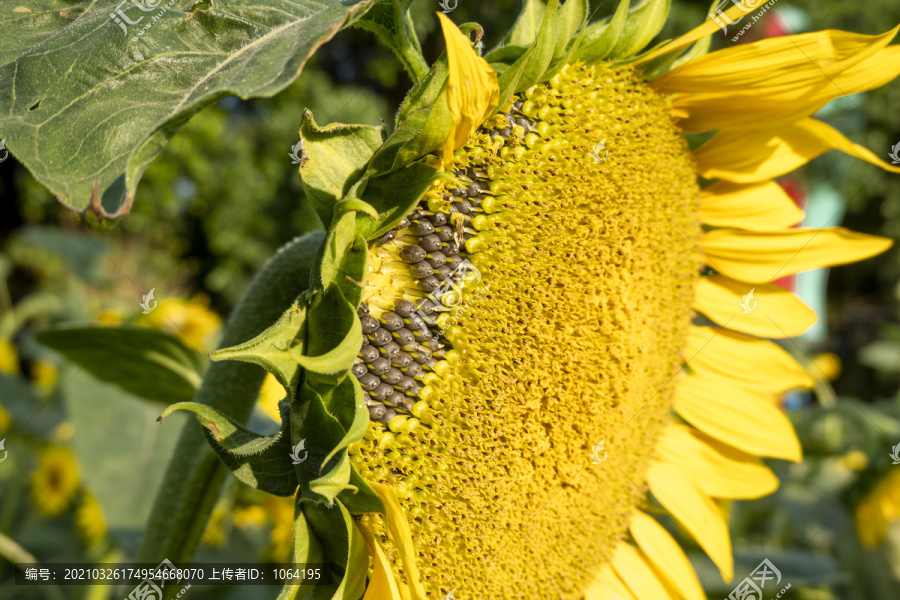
617,286
55,481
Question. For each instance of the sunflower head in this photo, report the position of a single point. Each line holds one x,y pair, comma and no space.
55,481
536,261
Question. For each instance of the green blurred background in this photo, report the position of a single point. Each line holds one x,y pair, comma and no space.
224,195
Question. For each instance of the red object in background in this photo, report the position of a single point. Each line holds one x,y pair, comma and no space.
775,26
795,191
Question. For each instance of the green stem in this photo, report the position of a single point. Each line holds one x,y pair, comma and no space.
194,477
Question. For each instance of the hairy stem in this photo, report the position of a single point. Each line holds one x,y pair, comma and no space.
195,476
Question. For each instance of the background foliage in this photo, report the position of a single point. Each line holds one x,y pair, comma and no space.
224,195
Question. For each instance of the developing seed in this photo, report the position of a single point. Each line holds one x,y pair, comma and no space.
368,353
412,253
380,337
421,227
380,366
390,349
369,323
421,270
389,414
430,243
376,411
392,376
369,382
429,284
391,321
404,308
382,391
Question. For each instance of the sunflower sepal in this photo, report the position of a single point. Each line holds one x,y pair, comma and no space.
641,26
363,499
260,461
270,348
572,17
601,37
423,123
344,549
393,196
326,419
306,550
325,179
541,53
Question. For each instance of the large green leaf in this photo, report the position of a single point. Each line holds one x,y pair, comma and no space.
148,363
87,103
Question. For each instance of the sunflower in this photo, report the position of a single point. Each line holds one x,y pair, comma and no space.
877,510
576,310
191,320
90,519
55,481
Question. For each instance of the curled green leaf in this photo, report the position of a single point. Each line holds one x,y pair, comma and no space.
339,358
270,349
260,461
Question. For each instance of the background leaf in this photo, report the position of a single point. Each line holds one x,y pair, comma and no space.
148,363
123,470
89,132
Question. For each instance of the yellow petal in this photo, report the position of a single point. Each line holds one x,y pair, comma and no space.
695,511
718,470
761,206
763,310
760,257
778,80
758,155
607,586
400,534
382,585
631,567
708,27
472,88
736,417
664,553
759,366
